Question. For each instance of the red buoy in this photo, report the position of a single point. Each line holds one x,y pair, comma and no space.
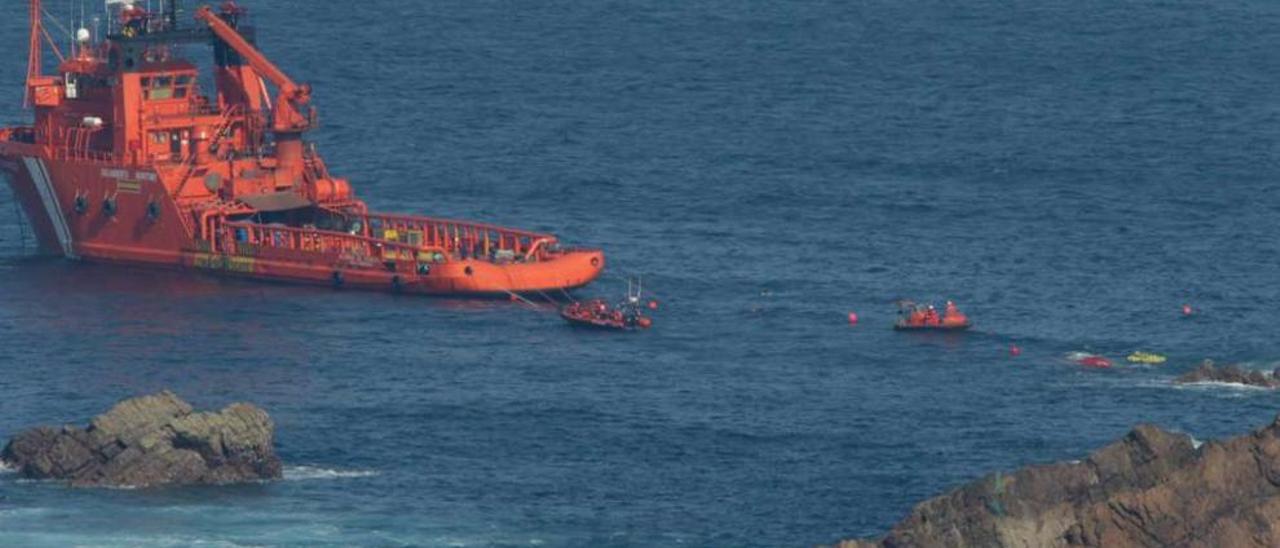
1187,310
1014,350
853,318
653,305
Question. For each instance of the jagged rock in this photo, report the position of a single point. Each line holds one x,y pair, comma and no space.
1150,488
1233,374
149,441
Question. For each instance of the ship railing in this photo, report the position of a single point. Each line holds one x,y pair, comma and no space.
313,240
461,238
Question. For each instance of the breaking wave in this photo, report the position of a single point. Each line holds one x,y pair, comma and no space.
1221,385
303,473
5,468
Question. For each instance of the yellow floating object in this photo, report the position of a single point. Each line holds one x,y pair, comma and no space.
1147,358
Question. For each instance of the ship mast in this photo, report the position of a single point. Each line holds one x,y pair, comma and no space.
35,56
34,59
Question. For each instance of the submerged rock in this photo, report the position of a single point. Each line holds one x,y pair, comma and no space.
149,441
1232,374
1150,488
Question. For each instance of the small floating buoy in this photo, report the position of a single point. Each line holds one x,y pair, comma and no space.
653,305
1014,350
1187,310
853,318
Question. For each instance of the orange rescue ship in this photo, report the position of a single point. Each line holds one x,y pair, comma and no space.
128,161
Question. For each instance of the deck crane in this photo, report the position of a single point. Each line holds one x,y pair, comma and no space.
288,118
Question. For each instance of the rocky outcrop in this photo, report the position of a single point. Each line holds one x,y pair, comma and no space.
1233,374
1151,488
150,441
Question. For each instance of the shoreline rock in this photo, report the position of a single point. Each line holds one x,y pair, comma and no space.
1150,488
1231,374
152,441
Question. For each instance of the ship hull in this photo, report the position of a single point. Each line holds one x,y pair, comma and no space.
66,204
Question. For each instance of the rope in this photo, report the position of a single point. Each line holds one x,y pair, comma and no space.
55,22
547,297
568,296
512,283
522,299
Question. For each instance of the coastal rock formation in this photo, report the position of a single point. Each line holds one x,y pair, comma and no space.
1150,488
149,441
1233,374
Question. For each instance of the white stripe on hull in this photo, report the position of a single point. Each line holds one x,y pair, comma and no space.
40,177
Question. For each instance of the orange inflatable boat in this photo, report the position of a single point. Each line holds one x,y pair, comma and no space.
917,317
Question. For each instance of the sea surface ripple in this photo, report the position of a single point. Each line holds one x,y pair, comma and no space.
1070,171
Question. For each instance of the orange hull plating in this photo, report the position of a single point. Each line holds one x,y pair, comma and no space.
130,236
128,163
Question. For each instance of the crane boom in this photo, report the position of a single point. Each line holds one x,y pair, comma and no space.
292,95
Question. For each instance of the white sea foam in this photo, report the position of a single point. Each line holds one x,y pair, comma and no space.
5,468
302,473
458,542
1221,385
1226,389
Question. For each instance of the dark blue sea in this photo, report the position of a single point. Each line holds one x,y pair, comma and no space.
1071,172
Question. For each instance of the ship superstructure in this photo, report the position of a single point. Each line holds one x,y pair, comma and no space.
128,161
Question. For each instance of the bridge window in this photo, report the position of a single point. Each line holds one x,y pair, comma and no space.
167,86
